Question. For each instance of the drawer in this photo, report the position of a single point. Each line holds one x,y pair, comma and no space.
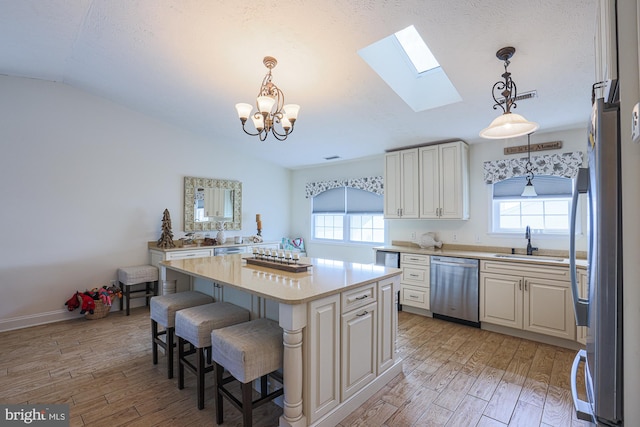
418,276
189,254
415,297
414,259
526,270
358,297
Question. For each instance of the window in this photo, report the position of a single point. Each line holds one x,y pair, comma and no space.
548,213
348,215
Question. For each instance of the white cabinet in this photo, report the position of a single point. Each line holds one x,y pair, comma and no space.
415,280
444,181
175,281
605,42
323,356
525,296
583,292
350,340
387,323
401,184
359,348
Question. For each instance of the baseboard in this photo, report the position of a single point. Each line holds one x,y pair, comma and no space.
545,339
416,310
20,322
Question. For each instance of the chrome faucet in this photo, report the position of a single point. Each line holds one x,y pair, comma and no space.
527,235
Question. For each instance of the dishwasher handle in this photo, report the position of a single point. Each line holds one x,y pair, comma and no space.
455,264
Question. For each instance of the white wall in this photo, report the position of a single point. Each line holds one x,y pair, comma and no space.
402,229
84,185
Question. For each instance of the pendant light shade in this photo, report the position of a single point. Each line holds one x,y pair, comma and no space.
508,124
529,190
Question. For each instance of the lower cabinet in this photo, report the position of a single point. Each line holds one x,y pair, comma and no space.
530,297
353,343
359,348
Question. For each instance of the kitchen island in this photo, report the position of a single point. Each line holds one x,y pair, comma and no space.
339,324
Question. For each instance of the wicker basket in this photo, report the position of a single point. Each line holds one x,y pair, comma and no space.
100,311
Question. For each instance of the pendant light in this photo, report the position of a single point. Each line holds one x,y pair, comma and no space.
529,190
507,125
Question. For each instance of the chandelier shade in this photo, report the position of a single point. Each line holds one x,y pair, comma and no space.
271,112
507,125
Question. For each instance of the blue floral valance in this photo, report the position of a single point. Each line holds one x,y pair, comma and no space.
565,164
374,184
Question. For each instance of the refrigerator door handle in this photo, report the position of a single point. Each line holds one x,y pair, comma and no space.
582,407
580,305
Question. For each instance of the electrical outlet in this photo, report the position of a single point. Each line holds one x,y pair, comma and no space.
413,236
454,237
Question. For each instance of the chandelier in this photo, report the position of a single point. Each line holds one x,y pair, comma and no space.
271,109
507,125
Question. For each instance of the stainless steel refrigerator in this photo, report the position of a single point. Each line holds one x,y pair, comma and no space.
601,311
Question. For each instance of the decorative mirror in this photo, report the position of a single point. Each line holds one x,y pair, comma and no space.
209,201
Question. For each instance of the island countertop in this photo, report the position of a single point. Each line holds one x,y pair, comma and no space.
324,278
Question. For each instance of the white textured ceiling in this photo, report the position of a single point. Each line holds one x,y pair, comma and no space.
189,61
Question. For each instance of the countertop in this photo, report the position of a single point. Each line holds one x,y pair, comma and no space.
552,258
326,277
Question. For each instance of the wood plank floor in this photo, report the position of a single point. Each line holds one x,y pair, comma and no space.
453,375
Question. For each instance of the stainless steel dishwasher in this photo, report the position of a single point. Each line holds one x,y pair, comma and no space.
455,289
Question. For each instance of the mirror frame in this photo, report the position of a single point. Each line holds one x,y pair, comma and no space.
191,184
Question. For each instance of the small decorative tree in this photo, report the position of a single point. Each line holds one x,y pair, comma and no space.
166,239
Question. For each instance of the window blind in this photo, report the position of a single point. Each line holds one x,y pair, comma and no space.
347,200
547,186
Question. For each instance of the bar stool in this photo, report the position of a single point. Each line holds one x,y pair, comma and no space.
163,312
194,326
248,351
137,275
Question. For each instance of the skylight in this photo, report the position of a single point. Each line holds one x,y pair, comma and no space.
416,49
420,81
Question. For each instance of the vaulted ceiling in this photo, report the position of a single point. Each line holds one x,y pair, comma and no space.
188,62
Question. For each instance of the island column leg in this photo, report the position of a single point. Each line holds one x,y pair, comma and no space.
293,319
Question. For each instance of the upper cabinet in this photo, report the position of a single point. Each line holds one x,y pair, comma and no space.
434,184
401,177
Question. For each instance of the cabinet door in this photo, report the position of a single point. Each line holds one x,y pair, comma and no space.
401,184
392,185
387,323
548,308
501,299
583,292
429,182
323,356
410,184
454,180
359,349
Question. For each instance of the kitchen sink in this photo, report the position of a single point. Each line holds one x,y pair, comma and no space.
530,257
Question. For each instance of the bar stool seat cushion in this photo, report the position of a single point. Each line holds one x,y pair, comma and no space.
137,274
164,308
196,323
248,350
